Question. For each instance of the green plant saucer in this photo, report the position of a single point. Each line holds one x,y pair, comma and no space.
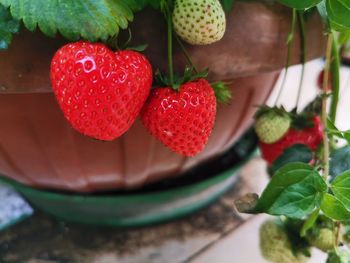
160,202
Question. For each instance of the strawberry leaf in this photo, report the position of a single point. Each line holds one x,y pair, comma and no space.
296,153
338,12
341,188
88,19
333,130
8,26
333,208
295,191
338,256
340,161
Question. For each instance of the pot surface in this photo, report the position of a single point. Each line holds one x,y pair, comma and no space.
39,148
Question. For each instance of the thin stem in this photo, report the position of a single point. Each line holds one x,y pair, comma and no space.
324,105
289,53
334,67
184,51
337,231
302,54
170,46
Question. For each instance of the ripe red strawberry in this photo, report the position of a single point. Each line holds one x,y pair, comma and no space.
320,81
182,120
311,137
100,92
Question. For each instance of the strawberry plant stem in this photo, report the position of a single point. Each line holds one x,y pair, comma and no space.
170,46
289,53
334,67
184,51
324,105
337,231
302,54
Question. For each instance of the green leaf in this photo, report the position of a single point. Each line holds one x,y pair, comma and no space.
89,19
339,13
339,256
309,223
346,135
333,130
8,26
227,4
300,4
322,10
294,191
344,37
296,153
341,188
333,208
340,161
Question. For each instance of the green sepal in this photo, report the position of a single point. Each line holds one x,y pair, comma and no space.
223,93
189,75
277,110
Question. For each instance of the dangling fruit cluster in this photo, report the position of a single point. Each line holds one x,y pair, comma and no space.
102,92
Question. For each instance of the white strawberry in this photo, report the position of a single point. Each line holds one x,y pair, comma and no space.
199,22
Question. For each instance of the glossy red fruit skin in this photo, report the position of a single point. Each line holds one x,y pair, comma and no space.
100,92
320,81
183,120
310,137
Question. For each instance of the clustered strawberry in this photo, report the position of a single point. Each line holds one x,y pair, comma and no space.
102,92
309,136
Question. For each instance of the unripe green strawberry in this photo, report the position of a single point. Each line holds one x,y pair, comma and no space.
324,240
275,245
199,22
271,126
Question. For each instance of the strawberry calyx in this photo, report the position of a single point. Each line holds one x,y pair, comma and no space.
222,91
189,75
281,111
303,120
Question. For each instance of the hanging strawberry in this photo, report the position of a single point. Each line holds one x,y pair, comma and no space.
271,124
181,119
200,22
100,92
310,136
181,111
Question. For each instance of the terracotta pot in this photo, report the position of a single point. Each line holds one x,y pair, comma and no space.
39,148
